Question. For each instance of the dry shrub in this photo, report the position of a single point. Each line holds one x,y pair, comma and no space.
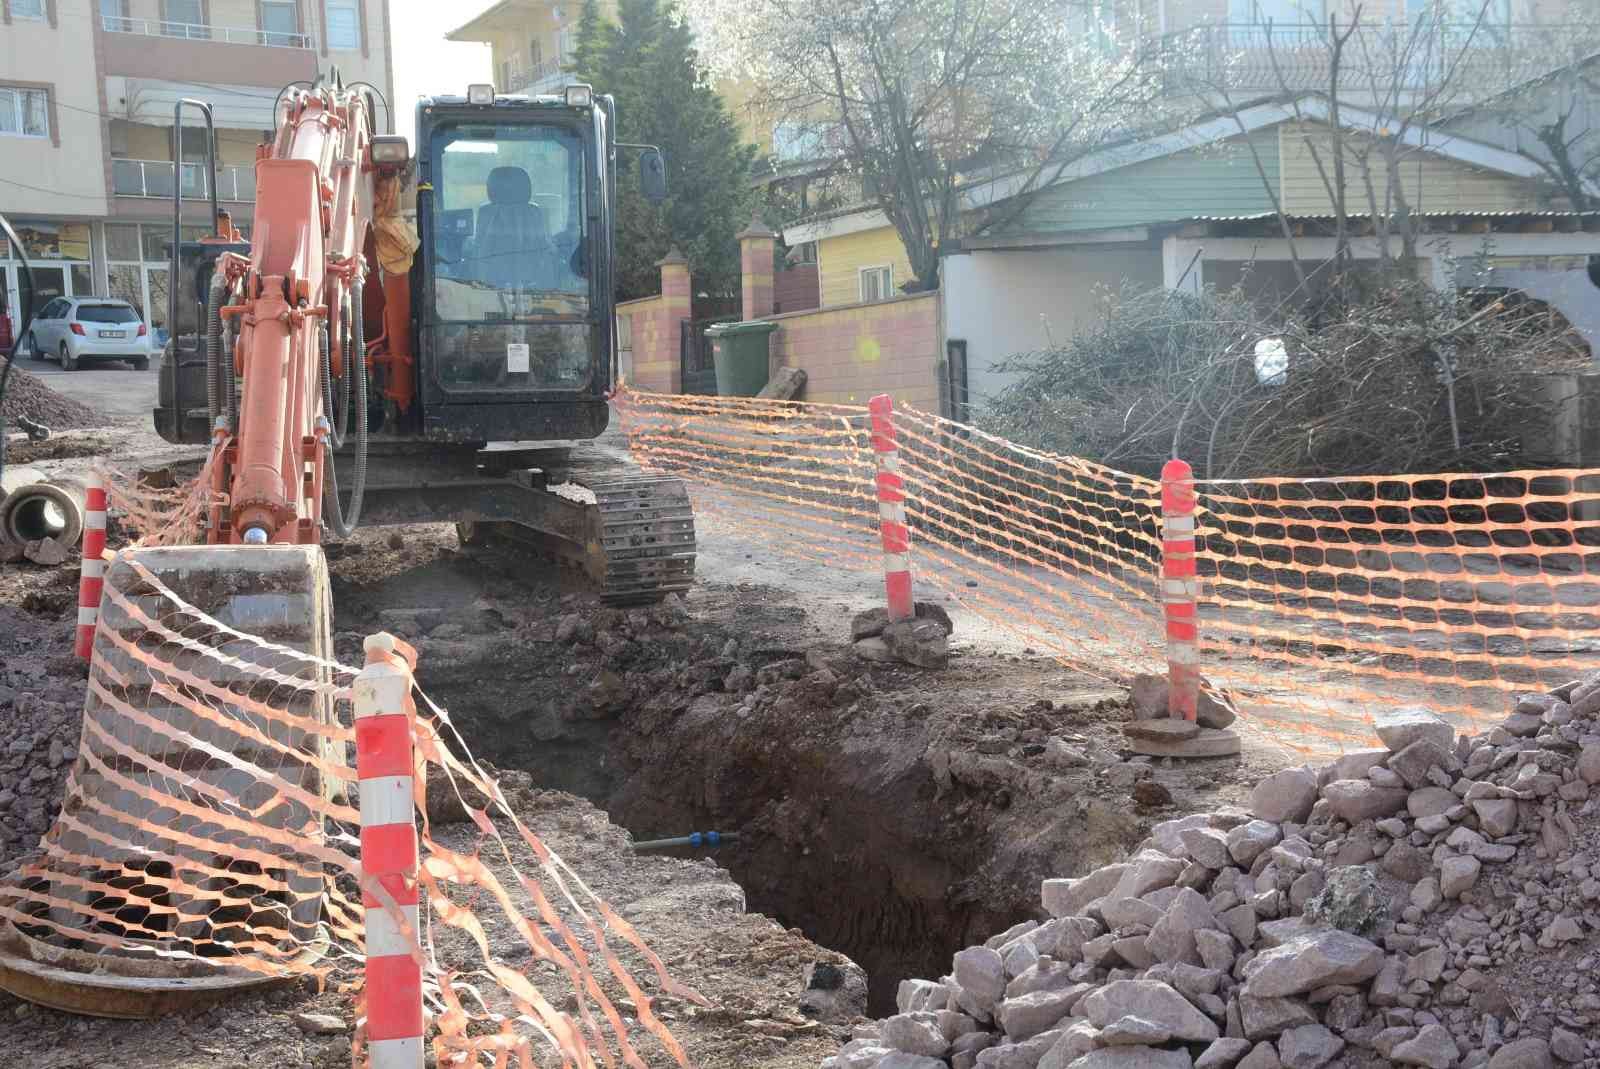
1374,366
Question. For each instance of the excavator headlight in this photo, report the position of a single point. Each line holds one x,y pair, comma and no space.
390,151
481,95
580,96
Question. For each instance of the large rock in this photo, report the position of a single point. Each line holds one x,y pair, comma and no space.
1172,938
1353,765
1263,1056
1152,1001
922,643
1531,1053
1249,840
1264,1018
913,995
1134,1058
1412,763
914,1033
1077,1039
1310,1046
981,974
1431,802
1148,870
1028,1015
1315,959
1223,1054
1208,846
1589,764
1069,897
1402,727
1496,816
1431,1047
1457,875
1024,1055
1350,901
1285,796
1355,800
899,1059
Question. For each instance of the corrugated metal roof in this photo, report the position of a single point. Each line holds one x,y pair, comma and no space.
1329,217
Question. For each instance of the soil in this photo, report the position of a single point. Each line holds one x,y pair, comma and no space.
886,814
27,396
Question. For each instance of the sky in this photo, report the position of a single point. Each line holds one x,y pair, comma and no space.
424,62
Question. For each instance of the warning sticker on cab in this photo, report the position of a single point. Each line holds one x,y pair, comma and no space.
517,358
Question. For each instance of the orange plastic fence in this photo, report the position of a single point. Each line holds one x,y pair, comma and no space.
209,831
1321,600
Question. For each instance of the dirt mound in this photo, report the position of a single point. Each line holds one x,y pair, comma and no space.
1434,902
27,396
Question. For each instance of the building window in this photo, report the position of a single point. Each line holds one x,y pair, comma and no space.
24,112
114,16
535,55
280,23
184,18
877,283
344,25
27,9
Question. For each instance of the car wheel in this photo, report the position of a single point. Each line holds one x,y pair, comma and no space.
68,361
33,347
141,363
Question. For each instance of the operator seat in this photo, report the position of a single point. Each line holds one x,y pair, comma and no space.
512,247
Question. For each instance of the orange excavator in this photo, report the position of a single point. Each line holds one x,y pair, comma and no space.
456,372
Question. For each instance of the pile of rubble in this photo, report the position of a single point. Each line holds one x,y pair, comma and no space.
27,396
1431,903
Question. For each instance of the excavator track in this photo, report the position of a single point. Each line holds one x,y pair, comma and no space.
638,543
643,546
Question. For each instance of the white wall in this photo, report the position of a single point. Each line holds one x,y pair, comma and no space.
994,300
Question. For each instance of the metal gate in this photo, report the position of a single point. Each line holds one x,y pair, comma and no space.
698,373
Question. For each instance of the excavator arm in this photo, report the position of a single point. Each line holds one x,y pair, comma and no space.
296,309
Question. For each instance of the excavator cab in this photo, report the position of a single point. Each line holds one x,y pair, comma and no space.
512,288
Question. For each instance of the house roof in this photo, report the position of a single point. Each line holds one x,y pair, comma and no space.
1207,131
1251,224
503,15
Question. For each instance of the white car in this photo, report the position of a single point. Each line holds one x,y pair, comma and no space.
75,329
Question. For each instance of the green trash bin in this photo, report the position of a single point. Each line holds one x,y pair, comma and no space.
739,351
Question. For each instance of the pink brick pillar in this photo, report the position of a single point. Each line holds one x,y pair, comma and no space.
756,247
676,292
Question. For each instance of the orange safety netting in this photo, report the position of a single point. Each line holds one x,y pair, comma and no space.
1321,600
209,831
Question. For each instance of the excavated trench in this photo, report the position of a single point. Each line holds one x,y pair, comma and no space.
878,812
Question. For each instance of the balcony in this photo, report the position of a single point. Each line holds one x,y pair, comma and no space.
1477,59
195,31
153,178
547,77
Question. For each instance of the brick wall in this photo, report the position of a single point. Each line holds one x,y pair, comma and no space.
852,352
654,344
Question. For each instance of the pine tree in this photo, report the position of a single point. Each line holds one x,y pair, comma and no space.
647,60
591,43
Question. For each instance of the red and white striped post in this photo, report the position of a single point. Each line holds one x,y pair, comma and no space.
1180,589
382,695
92,570
892,510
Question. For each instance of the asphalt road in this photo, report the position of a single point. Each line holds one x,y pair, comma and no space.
112,388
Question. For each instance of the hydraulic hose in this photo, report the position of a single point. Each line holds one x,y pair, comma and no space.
341,523
335,431
215,402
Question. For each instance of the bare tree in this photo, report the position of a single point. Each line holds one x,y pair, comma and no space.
924,99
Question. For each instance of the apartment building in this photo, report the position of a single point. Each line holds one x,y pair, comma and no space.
87,89
532,43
